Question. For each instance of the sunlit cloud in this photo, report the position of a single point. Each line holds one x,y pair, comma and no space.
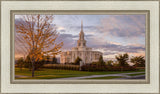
60,28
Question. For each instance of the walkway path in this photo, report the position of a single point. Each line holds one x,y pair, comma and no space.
124,75
21,76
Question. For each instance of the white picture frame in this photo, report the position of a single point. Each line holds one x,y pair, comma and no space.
6,54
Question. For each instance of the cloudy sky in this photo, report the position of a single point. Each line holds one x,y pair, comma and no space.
110,34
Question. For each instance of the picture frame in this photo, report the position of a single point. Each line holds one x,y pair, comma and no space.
70,12
10,8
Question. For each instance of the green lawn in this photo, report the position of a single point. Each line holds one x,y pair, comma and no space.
136,74
53,73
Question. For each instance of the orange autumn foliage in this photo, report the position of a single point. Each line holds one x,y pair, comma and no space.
39,34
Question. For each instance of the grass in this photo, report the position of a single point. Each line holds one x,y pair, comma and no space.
53,73
108,77
136,74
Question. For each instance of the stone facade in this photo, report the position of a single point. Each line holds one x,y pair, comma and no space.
82,51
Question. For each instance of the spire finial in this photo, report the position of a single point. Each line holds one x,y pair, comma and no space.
81,25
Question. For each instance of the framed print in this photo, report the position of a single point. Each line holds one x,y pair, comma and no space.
80,47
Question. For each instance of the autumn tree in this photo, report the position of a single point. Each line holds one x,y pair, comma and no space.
138,61
38,33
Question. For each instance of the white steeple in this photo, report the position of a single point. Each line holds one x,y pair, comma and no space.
81,34
81,25
81,42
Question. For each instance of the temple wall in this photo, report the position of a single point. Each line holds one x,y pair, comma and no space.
86,56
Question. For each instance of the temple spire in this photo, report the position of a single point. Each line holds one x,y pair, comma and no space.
81,25
81,41
81,35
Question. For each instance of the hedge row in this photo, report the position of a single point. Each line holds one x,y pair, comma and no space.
89,67
93,68
118,68
61,66
107,68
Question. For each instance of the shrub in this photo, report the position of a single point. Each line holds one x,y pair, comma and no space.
109,63
119,68
61,66
93,67
77,61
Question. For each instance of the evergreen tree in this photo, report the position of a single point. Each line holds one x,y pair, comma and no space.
77,61
122,59
54,60
20,63
101,62
28,63
47,59
138,61
110,63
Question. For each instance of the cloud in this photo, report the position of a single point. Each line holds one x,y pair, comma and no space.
120,48
60,28
113,48
123,25
67,40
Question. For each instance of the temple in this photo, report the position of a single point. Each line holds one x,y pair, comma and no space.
81,51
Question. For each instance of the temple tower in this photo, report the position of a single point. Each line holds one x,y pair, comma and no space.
81,42
82,51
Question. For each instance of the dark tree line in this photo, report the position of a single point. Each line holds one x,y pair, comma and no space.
123,60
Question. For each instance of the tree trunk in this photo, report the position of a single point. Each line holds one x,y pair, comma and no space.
121,68
33,69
